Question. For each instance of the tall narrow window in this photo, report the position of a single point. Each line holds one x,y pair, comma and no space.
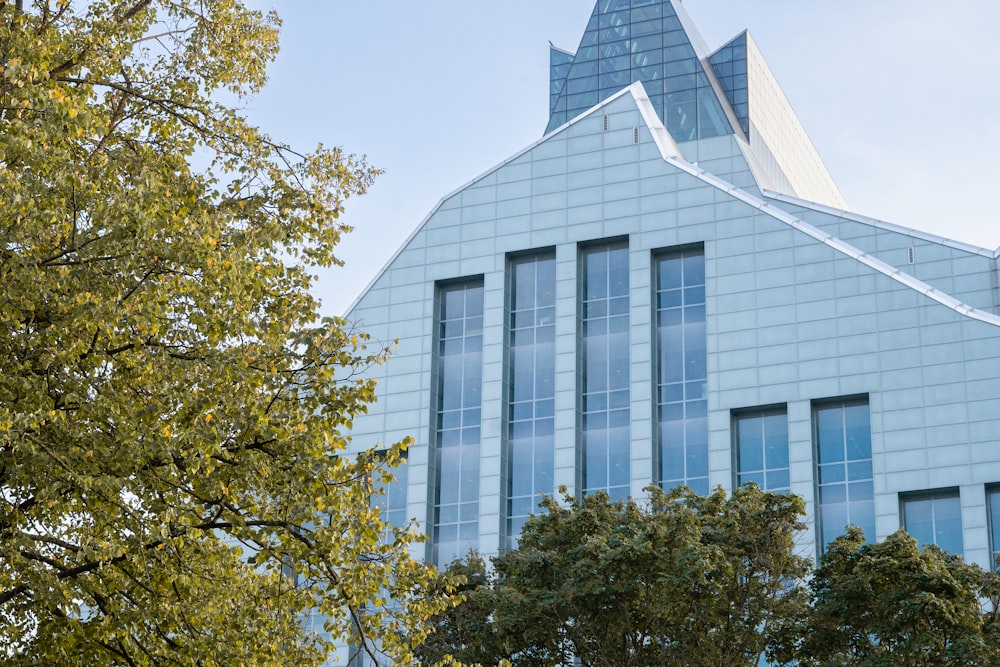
605,390
460,379
532,373
682,369
934,518
760,439
390,497
842,433
993,507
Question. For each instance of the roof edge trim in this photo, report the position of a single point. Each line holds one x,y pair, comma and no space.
837,244
881,224
560,49
664,150
659,130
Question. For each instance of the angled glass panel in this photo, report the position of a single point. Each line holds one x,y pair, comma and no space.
730,65
559,65
644,42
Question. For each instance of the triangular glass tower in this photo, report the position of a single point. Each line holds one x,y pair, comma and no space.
697,95
648,41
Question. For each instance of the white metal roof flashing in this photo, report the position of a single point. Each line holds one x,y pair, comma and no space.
671,154
560,49
882,224
842,246
637,91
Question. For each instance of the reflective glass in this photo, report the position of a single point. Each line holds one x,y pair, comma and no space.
531,374
842,432
993,507
935,518
605,276
459,369
682,369
633,44
750,443
730,66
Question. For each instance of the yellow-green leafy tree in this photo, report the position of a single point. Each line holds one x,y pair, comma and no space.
171,408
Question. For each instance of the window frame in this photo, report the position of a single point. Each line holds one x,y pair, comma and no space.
763,411
945,493
843,402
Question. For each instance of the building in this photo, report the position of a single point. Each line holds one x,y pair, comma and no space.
667,289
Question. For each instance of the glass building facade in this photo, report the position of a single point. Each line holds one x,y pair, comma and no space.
459,419
761,448
844,468
531,410
605,376
637,299
682,386
646,41
993,511
730,66
934,518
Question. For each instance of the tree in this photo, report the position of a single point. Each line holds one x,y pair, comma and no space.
893,603
683,580
465,632
170,408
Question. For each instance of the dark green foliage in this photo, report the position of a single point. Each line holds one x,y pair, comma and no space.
680,580
693,581
891,603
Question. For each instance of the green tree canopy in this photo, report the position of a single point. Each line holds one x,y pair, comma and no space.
169,406
680,580
894,604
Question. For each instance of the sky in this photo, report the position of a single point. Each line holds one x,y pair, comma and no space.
900,98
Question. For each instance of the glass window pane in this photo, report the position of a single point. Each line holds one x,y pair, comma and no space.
606,367
459,370
682,358
830,431
844,465
935,518
993,507
750,443
532,385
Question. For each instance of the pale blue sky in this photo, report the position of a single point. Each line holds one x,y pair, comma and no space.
900,98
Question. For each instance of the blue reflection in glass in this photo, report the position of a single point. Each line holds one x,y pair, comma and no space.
761,444
730,65
842,432
935,518
460,380
645,42
682,369
993,507
605,381
390,498
531,428
559,64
